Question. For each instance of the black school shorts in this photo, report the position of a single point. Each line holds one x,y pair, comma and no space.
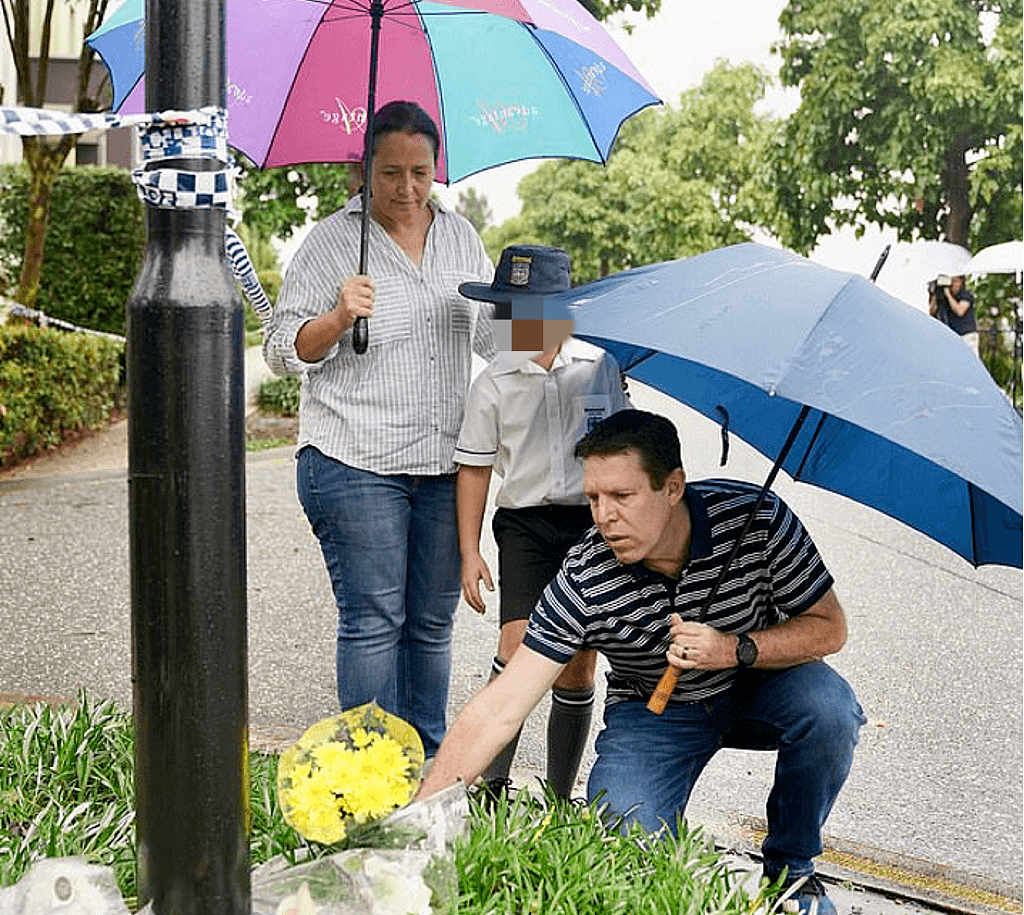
532,542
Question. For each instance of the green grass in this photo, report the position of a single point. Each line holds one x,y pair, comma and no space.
67,789
254,443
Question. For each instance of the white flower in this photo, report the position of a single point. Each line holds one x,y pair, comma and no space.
396,892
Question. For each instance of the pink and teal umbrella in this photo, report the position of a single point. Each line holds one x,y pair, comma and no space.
504,80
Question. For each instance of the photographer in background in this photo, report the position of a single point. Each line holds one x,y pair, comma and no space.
952,303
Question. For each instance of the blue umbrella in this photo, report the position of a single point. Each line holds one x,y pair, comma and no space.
878,402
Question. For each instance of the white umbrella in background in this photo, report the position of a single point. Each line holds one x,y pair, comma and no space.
911,266
1005,258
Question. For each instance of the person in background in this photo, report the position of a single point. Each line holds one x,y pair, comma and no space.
524,415
377,431
953,304
751,675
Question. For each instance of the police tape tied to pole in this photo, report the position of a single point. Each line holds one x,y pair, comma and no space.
197,134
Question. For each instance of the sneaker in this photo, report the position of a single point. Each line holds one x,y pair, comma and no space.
809,898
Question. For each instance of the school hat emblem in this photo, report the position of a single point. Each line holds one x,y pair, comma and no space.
519,274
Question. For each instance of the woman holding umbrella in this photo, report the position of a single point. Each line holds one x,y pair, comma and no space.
377,430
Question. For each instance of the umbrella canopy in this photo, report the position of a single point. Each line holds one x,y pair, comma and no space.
504,79
911,266
902,416
1005,258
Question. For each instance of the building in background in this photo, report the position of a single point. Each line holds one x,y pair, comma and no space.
114,147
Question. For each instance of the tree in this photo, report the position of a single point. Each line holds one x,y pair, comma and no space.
678,182
278,201
910,117
43,155
476,209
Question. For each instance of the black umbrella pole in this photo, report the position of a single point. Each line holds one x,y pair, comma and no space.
186,400
360,332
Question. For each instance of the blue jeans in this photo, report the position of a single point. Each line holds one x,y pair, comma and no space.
647,764
391,548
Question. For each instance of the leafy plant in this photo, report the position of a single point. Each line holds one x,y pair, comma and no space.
52,382
279,395
95,242
542,855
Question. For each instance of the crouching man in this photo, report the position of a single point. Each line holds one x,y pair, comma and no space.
751,675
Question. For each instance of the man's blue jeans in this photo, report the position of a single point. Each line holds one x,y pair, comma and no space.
647,764
391,548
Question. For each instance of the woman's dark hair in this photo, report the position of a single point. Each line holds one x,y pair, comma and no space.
404,117
652,437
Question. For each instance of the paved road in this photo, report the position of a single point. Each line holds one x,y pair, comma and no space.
935,649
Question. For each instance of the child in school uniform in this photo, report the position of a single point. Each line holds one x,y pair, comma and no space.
524,414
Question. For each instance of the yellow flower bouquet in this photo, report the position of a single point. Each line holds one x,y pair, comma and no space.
348,770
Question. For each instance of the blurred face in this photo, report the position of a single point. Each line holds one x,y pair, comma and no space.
403,173
956,284
639,523
531,336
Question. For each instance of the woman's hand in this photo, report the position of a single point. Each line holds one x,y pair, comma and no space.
355,300
316,337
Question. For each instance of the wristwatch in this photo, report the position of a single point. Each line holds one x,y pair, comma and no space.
746,650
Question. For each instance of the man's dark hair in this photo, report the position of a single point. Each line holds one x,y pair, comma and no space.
404,117
652,437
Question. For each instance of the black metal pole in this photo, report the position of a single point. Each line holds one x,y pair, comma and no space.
360,333
187,516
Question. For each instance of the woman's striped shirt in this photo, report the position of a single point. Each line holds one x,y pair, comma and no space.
623,611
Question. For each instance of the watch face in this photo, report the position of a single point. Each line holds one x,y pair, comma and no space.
746,651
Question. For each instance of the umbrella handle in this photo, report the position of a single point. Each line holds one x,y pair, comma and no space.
360,335
663,691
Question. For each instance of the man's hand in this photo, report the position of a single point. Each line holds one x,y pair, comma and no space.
696,646
809,636
474,569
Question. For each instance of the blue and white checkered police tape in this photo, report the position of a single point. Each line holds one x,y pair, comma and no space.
163,135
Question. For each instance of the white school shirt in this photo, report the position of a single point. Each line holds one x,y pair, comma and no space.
524,422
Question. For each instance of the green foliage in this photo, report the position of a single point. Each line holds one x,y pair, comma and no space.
278,201
546,855
680,181
67,788
94,244
603,9
51,383
910,117
279,395
997,310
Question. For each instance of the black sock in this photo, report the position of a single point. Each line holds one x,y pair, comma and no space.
568,730
502,763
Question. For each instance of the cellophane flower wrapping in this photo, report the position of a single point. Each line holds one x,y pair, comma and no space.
347,782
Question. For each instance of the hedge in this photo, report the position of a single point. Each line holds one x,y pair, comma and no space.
53,383
94,243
